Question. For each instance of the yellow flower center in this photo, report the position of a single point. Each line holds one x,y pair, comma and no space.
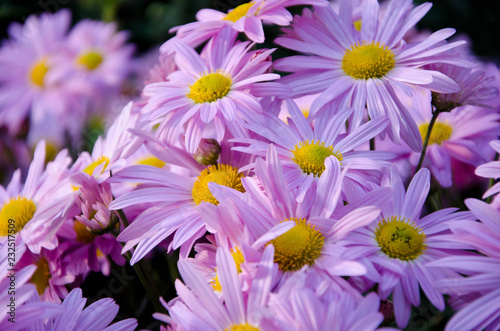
221,174
238,260
365,61
298,246
357,25
151,161
210,87
83,235
91,167
399,239
241,327
440,132
38,71
238,12
311,156
15,214
89,60
41,276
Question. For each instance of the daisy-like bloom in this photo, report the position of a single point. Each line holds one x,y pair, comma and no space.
356,68
458,134
199,308
397,249
247,18
16,291
96,316
99,59
87,228
212,88
303,150
51,275
31,212
307,234
174,197
29,85
491,170
482,271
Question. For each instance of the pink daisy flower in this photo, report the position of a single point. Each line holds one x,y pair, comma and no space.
31,212
29,85
482,271
303,150
491,170
365,68
212,88
173,197
396,251
275,217
247,18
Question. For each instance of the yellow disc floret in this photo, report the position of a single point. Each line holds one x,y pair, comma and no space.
238,260
238,12
151,161
41,276
357,25
365,61
83,235
298,246
38,71
311,156
91,167
210,87
15,214
400,239
221,174
440,132
241,327
90,60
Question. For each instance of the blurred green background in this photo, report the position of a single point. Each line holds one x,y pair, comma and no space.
148,21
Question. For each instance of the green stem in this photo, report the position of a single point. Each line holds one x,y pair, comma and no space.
435,115
141,270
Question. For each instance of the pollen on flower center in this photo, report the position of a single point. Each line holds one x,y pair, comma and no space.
365,61
221,174
311,156
399,239
38,71
90,60
41,276
238,260
210,87
440,132
83,235
91,167
238,12
15,214
298,246
241,327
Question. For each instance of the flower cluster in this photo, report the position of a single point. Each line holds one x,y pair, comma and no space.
328,196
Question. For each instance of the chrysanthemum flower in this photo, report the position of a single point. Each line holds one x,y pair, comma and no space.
98,59
173,197
247,18
366,67
304,234
458,134
199,308
303,150
31,213
212,88
396,251
29,86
